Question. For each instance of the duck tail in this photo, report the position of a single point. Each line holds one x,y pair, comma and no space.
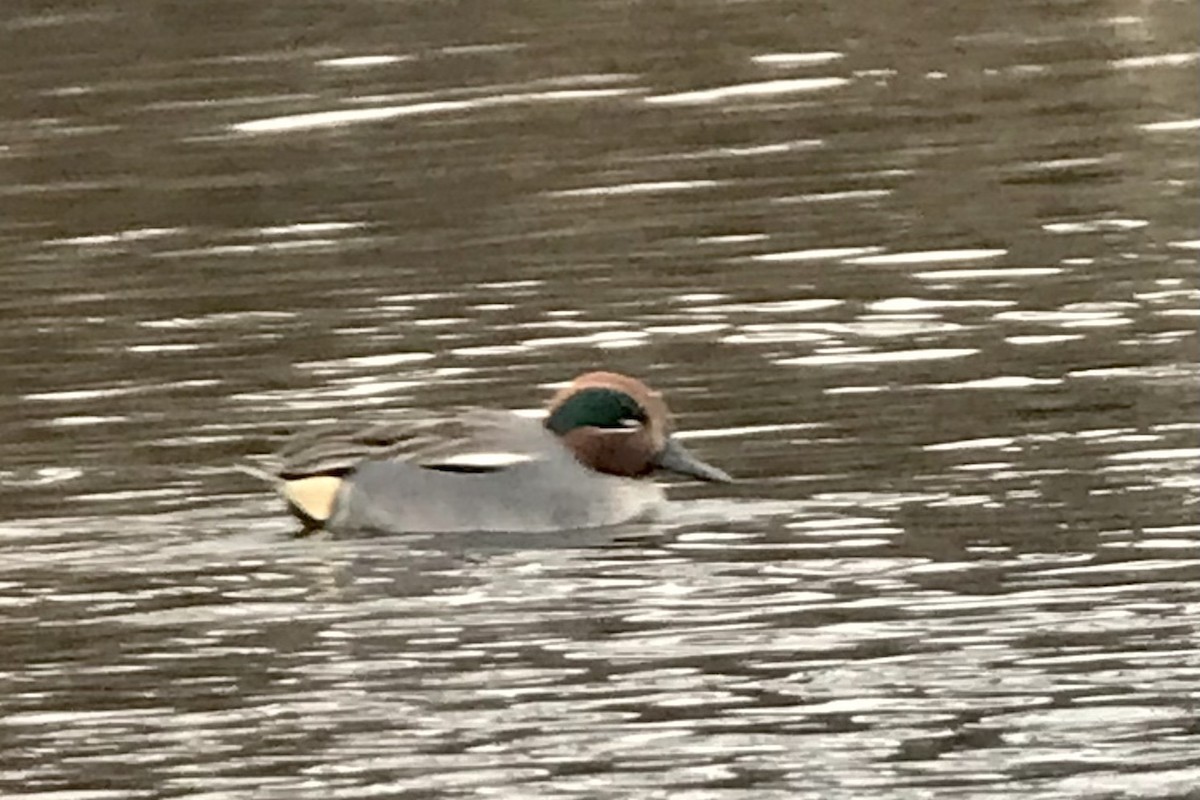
257,472
309,498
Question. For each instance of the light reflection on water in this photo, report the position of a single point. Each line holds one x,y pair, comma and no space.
934,305
756,655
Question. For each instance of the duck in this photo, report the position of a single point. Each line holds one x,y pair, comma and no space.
586,464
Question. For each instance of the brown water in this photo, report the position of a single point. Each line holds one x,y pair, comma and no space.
924,277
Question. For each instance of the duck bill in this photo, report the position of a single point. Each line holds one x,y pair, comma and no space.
677,458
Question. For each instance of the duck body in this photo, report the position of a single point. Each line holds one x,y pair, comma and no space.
544,490
584,466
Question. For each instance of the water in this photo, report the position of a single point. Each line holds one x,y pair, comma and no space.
925,281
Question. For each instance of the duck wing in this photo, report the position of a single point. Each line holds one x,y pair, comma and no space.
474,441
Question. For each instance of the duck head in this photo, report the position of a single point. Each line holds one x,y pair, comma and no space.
618,425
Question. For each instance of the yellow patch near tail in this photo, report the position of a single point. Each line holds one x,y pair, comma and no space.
312,498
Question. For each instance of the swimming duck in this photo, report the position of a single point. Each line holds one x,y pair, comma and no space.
580,467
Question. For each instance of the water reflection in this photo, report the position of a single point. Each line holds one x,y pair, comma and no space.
927,283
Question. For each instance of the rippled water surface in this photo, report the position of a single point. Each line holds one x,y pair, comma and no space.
923,276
